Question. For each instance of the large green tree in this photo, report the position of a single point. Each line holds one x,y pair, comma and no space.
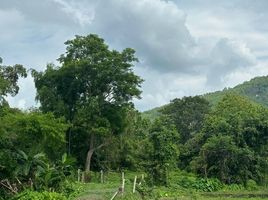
163,151
93,88
187,114
128,150
233,141
9,76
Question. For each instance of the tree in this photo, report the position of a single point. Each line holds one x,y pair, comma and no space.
9,76
187,114
92,88
26,138
164,150
232,141
32,133
217,156
127,150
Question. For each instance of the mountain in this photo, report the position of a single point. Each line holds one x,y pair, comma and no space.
256,90
151,114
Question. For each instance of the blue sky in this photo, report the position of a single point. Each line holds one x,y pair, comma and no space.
185,47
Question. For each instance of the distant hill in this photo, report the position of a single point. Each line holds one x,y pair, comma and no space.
151,114
256,90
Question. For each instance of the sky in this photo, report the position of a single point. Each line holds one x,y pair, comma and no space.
185,47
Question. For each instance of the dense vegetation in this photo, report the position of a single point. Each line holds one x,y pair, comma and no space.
87,121
256,90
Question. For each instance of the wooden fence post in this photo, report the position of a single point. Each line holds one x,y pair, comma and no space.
83,177
78,175
115,194
123,182
101,176
142,178
134,184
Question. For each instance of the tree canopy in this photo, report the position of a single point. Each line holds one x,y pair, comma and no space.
9,76
187,115
92,88
233,141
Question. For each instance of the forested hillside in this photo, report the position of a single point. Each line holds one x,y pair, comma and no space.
256,90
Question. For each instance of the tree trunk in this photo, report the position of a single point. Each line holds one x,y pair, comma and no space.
89,153
205,165
88,160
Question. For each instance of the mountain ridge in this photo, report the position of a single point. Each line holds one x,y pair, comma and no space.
256,89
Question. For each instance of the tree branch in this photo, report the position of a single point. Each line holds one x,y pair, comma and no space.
101,145
7,185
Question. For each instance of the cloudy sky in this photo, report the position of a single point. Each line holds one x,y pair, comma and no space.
185,47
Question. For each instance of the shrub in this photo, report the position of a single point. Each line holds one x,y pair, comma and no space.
233,187
72,189
186,182
207,185
31,195
251,185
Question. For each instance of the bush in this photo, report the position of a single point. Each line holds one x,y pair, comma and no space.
233,187
145,191
72,189
251,185
207,185
30,195
186,182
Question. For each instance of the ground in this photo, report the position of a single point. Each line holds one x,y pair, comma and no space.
112,181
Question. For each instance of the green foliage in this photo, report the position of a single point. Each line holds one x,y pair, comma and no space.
72,189
251,185
31,195
34,132
93,88
224,146
126,151
207,185
152,114
188,181
164,151
233,187
227,150
51,176
255,90
187,115
23,137
9,76
28,166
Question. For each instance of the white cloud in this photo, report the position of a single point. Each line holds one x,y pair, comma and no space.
83,16
185,47
228,56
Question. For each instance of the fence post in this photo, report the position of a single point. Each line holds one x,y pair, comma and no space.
134,184
78,175
83,177
101,173
123,182
115,194
142,178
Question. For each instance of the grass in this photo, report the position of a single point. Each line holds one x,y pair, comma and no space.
112,181
102,191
